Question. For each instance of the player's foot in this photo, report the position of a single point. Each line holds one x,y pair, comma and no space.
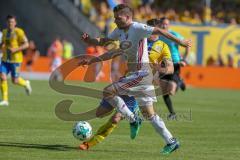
135,127
28,88
172,116
4,103
84,146
169,148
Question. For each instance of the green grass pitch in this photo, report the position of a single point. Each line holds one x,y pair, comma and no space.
208,129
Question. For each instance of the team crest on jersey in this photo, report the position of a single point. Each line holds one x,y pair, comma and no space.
158,48
124,45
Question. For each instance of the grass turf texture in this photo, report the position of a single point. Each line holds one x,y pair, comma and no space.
29,128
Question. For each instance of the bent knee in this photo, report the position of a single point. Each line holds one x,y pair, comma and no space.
148,115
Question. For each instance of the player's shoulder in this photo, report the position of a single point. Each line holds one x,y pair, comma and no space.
138,24
159,42
4,31
19,30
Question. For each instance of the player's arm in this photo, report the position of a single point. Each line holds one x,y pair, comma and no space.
95,41
184,43
187,51
106,56
25,45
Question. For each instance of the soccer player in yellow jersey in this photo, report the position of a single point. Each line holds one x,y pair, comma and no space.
159,53
14,41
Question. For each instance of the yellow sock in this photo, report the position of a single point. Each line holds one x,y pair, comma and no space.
21,82
102,133
4,89
95,140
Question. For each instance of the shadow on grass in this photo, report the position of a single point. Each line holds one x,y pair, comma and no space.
54,147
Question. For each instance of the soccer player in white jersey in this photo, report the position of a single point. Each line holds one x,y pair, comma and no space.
138,81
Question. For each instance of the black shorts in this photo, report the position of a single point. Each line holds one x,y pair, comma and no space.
168,77
176,74
173,77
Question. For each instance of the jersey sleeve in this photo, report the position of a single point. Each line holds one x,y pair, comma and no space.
143,30
21,36
3,36
114,35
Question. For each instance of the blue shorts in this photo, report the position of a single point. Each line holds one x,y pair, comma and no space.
129,100
7,67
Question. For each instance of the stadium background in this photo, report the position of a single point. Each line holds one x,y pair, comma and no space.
212,26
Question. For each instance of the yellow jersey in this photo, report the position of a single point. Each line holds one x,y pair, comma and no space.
12,39
158,51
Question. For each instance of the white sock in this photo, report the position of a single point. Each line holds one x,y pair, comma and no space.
120,105
160,127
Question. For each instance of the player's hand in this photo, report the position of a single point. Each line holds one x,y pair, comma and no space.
12,50
85,37
186,43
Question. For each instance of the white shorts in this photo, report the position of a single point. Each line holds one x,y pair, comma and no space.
137,84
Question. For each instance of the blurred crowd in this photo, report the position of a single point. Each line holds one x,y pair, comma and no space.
58,51
194,12
219,62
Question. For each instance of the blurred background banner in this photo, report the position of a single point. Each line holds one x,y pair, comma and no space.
212,42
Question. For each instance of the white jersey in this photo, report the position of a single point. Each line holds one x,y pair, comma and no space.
137,54
138,82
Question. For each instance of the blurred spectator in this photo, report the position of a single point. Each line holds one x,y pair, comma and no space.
97,67
220,62
55,52
196,19
100,11
67,50
31,55
230,60
211,61
233,21
186,17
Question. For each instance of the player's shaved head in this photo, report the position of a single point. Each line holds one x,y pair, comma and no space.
124,9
